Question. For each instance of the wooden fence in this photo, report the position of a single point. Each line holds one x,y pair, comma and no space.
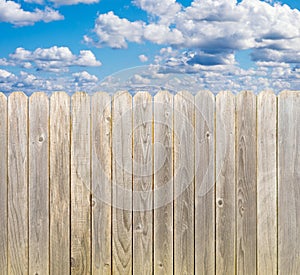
150,185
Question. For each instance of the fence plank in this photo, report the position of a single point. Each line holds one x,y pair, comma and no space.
101,183
142,184
225,183
59,184
80,185
204,183
184,183
17,184
266,184
288,183
246,182
3,183
122,183
163,183
38,184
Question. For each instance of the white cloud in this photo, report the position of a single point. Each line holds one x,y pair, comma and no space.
161,34
143,58
54,59
6,76
164,9
12,12
84,77
114,32
213,27
87,59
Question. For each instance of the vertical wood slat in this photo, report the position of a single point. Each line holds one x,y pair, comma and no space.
204,183
246,182
122,183
142,184
184,183
163,183
18,184
38,184
3,183
289,182
101,183
80,185
60,183
266,184
225,183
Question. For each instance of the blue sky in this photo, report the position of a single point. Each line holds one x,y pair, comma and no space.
108,45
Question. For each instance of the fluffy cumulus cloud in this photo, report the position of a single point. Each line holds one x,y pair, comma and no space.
6,76
29,82
164,10
154,78
143,58
54,59
115,32
84,77
212,27
200,41
12,12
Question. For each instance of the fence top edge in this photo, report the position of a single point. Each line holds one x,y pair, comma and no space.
17,94
287,93
38,94
164,92
202,93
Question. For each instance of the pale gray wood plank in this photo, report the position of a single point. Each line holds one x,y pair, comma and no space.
289,182
184,183
142,184
80,185
60,183
39,184
204,183
163,183
3,183
266,184
17,184
225,183
122,183
101,183
246,182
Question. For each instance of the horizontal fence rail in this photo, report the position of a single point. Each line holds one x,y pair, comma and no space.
164,184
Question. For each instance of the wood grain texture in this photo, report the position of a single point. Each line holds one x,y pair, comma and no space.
101,183
17,184
266,184
142,184
289,182
3,183
122,183
246,182
80,185
163,183
225,183
204,183
60,183
184,183
39,184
